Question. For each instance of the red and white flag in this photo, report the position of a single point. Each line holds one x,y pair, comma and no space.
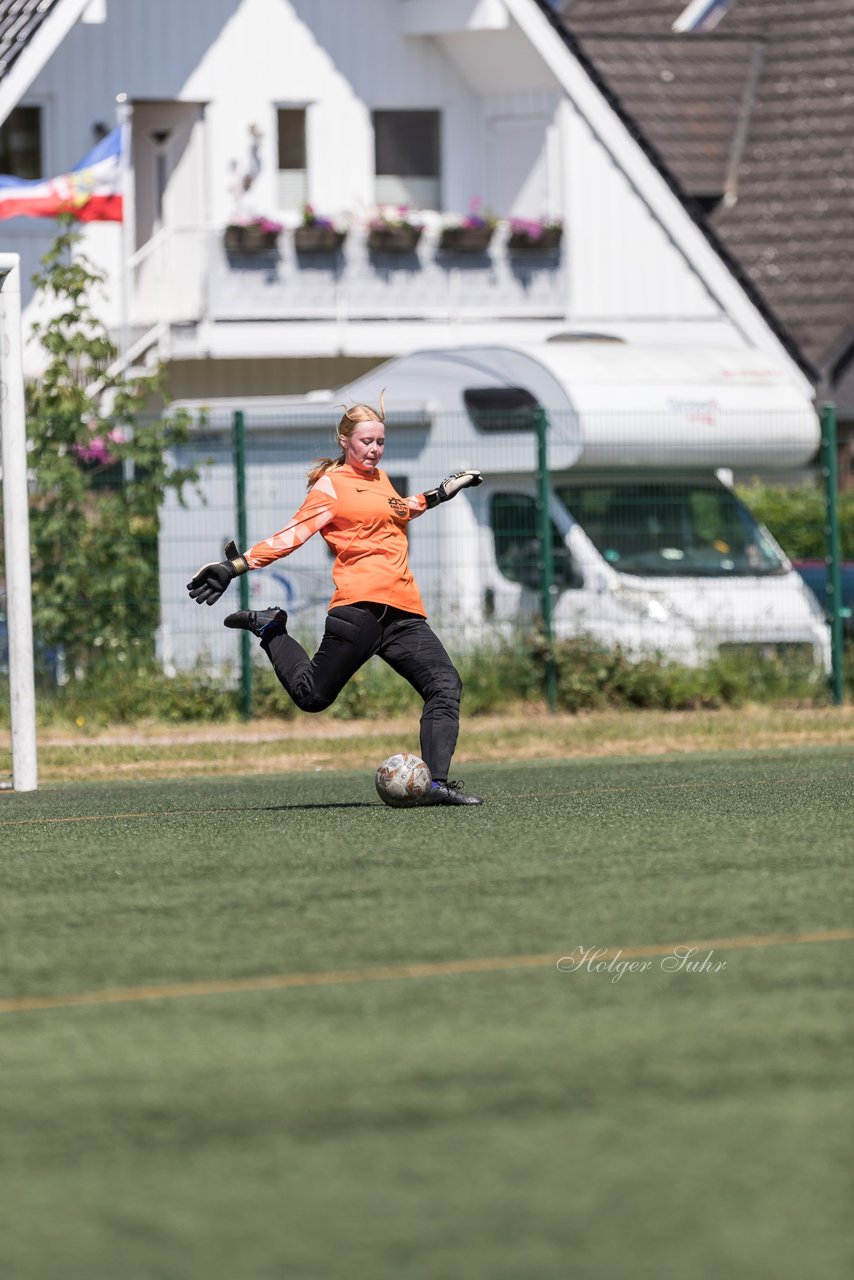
92,192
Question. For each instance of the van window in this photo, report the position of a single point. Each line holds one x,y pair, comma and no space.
672,528
501,408
513,519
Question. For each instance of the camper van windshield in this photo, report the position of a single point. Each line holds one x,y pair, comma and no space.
671,528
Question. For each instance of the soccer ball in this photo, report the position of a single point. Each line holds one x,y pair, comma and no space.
403,780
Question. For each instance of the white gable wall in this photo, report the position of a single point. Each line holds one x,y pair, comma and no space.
636,272
522,129
244,58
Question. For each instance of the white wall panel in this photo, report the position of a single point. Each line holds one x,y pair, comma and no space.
341,59
622,261
490,60
246,56
523,154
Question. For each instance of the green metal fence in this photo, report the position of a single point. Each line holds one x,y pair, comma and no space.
639,540
625,529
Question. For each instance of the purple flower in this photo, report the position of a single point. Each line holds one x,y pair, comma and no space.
474,217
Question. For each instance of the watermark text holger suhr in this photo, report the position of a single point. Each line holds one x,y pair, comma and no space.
602,960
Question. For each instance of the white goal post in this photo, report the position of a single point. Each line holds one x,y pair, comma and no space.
16,525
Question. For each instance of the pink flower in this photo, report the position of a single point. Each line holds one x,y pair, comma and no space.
533,228
263,224
97,450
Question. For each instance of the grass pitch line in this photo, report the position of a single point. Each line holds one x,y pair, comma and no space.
389,973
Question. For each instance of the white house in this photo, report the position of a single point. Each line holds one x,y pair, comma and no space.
255,107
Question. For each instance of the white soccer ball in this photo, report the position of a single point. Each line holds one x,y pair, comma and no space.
403,780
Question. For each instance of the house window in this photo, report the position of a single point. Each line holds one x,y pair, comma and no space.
293,185
407,164
21,143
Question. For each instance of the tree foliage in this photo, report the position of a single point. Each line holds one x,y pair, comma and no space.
796,517
100,468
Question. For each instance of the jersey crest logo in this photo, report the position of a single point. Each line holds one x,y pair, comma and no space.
399,507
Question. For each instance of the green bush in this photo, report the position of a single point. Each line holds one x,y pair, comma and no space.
591,677
588,677
495,678
127,692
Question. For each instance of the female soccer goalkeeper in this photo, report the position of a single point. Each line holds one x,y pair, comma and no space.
376,608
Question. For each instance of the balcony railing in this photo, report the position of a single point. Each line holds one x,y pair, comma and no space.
191,275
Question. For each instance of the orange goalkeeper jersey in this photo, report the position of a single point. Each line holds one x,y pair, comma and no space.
364,521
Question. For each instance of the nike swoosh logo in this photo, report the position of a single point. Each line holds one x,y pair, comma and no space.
363,490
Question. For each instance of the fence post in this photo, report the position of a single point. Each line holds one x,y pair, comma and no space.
832,547
546,557
239,453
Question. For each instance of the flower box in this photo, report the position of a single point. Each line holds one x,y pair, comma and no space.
399,239
251,238
464,239
318,239
531,238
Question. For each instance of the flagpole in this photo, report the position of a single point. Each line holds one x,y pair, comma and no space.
124,113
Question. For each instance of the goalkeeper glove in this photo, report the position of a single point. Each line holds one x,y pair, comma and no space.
450,487
211,580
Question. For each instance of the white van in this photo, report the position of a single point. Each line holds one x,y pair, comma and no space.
652,549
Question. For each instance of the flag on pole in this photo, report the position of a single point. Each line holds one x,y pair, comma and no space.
92,192
700,15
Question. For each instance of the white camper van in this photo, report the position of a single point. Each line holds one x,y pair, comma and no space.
652,549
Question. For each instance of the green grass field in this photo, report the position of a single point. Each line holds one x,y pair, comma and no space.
264,1083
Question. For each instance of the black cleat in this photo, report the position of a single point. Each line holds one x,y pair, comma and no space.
449,793
258,621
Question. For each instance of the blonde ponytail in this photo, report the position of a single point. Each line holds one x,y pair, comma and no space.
321,466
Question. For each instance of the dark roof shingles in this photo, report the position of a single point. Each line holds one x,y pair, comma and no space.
790,227
19,21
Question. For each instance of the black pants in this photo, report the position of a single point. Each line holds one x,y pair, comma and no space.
354,633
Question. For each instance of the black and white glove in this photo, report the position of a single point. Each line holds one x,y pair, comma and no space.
450,487
211,580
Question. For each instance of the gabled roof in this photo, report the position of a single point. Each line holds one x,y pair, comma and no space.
772,319
19,21
689,95
786,139
30,32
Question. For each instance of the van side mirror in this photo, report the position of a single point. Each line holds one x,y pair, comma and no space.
525,567
567,575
